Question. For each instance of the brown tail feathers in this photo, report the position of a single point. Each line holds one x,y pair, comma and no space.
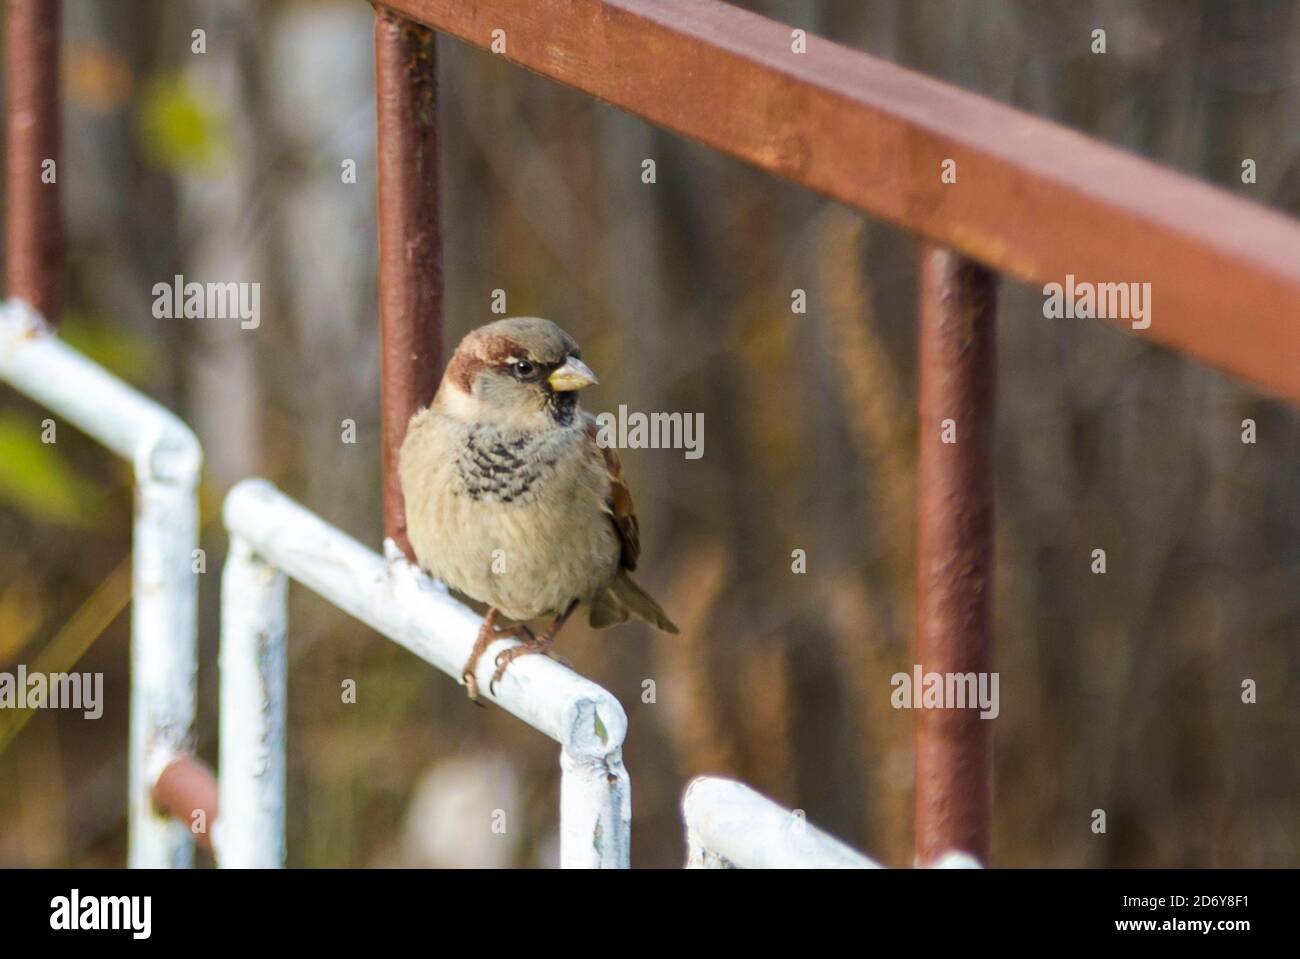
624,597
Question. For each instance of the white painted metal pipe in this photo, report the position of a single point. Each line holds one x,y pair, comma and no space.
397,600
730,825
167,460
254,604
595,809
955,859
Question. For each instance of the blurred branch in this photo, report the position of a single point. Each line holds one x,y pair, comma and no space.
76,636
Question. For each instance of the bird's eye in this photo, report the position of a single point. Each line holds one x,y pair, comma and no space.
522,368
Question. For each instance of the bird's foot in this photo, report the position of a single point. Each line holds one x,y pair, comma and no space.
508,656
529,647
488,634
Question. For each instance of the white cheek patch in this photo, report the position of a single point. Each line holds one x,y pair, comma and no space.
460,404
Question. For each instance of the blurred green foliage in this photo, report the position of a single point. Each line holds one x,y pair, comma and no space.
178,128
38,479
124,352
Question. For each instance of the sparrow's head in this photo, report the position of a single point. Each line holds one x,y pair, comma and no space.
523,371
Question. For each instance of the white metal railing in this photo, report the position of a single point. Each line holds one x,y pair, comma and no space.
164,588
730,825
273,537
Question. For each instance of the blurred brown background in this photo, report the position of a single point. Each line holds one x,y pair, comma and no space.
1120,692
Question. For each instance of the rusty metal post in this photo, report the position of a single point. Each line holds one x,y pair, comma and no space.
955,546
33,227
185,788
410,239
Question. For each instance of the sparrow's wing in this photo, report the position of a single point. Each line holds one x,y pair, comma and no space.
619,502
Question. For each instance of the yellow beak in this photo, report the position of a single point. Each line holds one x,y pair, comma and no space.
573,375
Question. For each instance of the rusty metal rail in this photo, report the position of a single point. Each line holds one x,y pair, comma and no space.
1032,199
954,594
33,226
186,791
410,240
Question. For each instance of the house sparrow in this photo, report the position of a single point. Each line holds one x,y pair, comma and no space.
509,498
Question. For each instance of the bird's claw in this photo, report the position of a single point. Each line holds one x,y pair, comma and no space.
500,671
507,656
502,660
471,687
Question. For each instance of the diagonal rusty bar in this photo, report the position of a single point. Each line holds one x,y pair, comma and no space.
1031,198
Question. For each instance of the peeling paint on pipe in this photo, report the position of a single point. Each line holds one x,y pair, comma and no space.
396,599
254,609
167,460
